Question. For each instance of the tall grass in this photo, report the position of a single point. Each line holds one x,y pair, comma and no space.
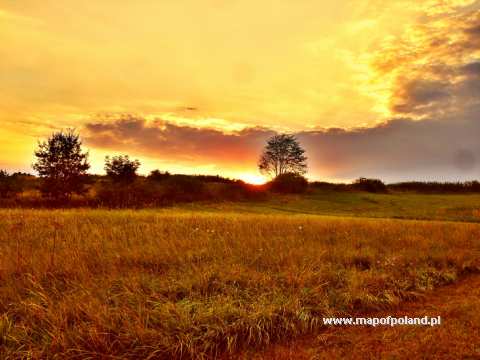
148,284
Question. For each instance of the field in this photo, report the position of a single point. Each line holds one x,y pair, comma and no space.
211,280
361,204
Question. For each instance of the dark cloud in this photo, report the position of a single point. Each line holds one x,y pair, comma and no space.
471,69
464,160
401,149
433,70
419,96
474,30
168,141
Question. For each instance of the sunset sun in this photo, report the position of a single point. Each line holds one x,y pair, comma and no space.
254,179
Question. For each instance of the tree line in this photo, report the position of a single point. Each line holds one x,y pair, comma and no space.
62,166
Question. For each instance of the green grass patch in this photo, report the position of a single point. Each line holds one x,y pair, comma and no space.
448,207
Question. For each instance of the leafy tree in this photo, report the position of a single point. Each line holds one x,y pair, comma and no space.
61,164
282,154
121,169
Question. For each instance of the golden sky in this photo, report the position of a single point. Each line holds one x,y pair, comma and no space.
197,86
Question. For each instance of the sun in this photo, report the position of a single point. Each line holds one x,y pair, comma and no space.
254,179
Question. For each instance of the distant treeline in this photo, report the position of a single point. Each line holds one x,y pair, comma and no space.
164,189
157,189
377,186
437,187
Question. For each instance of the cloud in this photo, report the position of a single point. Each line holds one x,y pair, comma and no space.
400,149
420,96
432,73
434,66
168,141
472,69
473,30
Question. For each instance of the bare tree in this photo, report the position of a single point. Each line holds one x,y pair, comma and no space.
283,154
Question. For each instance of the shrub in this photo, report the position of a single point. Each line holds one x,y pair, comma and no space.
136,194
15,184
157,175
289,183
8,187
326,186
236,191
370,185
184,188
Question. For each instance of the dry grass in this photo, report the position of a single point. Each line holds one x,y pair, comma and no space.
178,284
458,337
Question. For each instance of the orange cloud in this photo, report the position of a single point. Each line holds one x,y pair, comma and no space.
432,66
164,140
446,148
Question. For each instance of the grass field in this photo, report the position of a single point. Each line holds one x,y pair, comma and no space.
458,305
202,280
464,207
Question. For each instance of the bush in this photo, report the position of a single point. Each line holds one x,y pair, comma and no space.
236,191
326,186
138,193
370,185
10,185
157,175
289,183
184,188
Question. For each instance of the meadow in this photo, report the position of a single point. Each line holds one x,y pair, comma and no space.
205,280
396,205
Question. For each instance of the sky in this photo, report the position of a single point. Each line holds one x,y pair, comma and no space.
376,88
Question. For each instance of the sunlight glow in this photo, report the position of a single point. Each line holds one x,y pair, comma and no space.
187,90
254,179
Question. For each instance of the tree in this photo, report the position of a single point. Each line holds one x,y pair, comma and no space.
61,164
121,169
282,154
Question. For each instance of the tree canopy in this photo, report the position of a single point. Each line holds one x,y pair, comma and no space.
121,169
62,164
283,154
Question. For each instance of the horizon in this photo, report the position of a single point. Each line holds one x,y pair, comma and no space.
367,95
262,179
